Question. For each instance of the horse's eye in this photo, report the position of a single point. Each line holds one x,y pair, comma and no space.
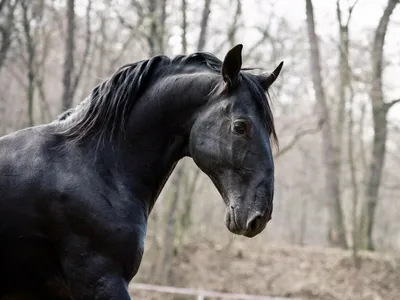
240,127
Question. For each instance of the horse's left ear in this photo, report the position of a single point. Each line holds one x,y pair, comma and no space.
232,64
267,81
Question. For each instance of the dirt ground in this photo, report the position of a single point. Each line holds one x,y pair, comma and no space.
298,272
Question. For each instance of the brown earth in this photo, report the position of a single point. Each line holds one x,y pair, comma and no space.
298,272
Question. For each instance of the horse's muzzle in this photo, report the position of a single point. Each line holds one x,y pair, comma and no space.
249,227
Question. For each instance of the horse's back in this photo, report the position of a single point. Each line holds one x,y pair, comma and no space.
25,175
27,255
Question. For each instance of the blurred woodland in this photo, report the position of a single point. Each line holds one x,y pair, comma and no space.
335,107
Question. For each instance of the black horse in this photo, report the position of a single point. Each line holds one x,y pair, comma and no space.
75,194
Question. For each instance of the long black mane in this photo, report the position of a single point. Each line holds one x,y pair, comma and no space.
107,109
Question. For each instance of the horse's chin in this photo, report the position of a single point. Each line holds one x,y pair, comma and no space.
251,234
255,233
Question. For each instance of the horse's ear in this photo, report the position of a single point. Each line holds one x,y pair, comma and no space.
232,64
267,81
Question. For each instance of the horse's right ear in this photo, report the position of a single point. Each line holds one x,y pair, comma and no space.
232,65
267,81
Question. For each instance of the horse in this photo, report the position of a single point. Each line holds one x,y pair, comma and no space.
76,193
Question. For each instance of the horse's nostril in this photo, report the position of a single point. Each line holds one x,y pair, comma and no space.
254,223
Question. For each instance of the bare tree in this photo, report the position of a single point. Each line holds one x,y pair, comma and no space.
31,52
69,57
204,25
86,51
7,26
154,14
100,45
337,234
184,26
344,78
190,184
380,109
40,70
72,76
346,95
152,36
295,139
162,26
235,24
164,265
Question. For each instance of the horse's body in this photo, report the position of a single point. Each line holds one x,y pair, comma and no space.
75,194
60,205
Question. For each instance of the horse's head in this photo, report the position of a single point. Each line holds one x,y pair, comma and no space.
230,142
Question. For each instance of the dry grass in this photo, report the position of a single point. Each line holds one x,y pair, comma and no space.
306,273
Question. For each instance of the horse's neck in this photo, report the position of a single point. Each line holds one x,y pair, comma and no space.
159,131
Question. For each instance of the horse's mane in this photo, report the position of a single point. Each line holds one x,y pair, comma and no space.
107,108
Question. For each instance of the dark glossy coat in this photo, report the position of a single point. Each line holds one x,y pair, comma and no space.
75,194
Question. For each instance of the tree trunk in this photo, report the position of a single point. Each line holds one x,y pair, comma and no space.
346,95
354,185
185,219
204,25
69,57
84,61
162,27
157,12
30,49
7,29
343,84
164,265
101,47
184,27
379,111
337,236
152,5
235,24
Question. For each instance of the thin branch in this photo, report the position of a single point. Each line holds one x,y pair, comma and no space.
17,77
124,48
265,34
43,99
350,10
391,103
338,12
123,22
88,41
57,18
394,187
299,135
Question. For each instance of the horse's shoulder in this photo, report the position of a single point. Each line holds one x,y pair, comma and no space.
28,158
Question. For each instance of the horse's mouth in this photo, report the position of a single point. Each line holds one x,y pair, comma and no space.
251,234
233,225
